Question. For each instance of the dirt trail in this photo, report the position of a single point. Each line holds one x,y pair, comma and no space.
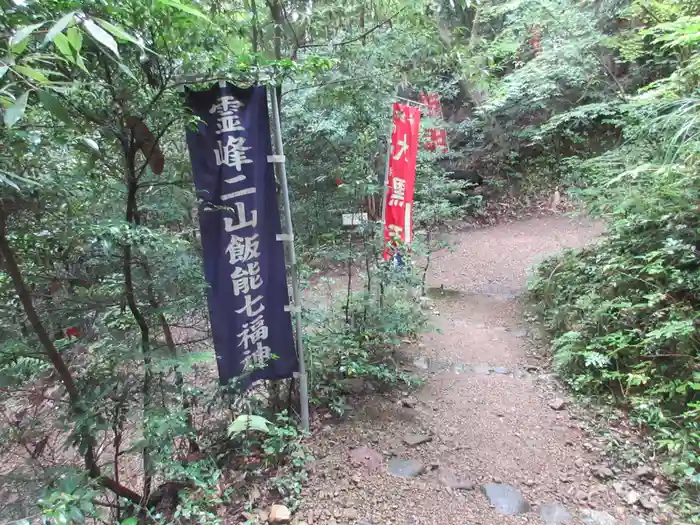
490,415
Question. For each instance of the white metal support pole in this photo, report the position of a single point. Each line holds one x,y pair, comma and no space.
386,180
289,237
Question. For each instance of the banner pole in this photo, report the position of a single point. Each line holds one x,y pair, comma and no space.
385,189
296,307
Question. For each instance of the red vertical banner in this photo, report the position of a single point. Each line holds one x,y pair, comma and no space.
398,206
437,136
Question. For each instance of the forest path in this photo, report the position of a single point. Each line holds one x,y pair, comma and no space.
484,419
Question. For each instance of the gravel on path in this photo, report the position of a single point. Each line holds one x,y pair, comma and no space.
496,427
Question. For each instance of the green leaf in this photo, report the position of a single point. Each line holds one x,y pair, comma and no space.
125,69
19,48
245,422
130,521
81,63
8,178
184,8
53,105
15,112
4,380
5,65
32,73
102,36
23,33
118,32
91,144
59,26
75,37
63,45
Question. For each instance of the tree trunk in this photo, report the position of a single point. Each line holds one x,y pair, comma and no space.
57,361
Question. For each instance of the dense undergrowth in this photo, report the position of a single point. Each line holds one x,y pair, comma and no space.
121,420
624,313
111,409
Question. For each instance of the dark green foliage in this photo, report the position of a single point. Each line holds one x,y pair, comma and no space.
625,313
123,419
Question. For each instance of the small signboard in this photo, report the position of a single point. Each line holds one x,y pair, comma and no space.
354,219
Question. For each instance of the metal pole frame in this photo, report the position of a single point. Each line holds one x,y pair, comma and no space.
385,191
288,236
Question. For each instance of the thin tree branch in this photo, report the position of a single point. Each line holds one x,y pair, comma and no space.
360,36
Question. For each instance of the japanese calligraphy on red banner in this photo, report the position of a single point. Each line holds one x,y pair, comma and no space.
437,137
402,176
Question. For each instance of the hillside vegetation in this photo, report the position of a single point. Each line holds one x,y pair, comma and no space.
121,420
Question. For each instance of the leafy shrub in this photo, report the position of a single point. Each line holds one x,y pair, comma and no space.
360,345
624,313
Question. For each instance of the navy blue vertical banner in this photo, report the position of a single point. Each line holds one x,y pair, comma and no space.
239,220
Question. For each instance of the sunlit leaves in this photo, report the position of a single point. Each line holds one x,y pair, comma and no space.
32,73
185,8
19,37
91,145
102,36
63,45
245,423
118,32
75,37
16,111
64,22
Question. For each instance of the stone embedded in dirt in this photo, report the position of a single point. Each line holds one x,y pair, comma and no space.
506,498
597,517
405,468
350,514
660,484
620,489
421,362
502,370
279,514
603,473
521,332
632,497
481,369
433,366
367,457
409,402
647,503
557,404
634,520
353,385
555,514
413,440
450,479
644,472
520,374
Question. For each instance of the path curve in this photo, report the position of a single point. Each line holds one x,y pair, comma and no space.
488,413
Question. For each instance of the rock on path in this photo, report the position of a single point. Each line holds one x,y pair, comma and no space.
495,429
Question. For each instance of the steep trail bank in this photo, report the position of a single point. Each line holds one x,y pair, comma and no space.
487,413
